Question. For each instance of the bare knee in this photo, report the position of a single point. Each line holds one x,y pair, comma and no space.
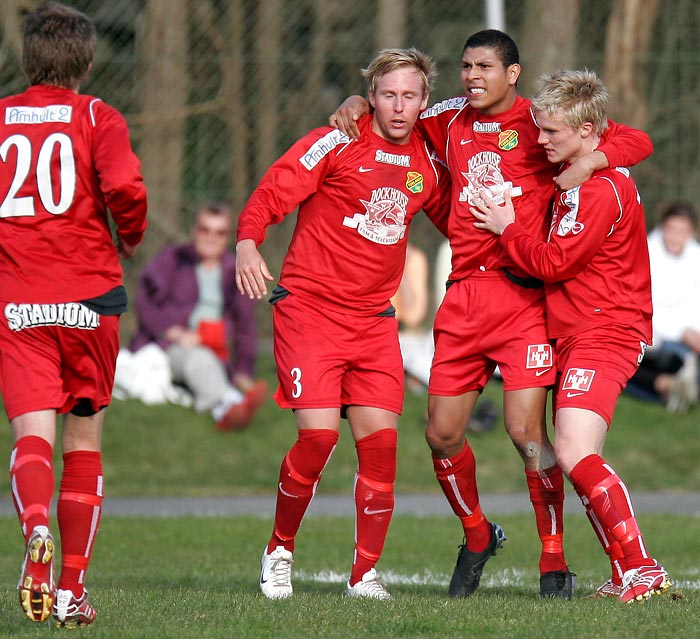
533,445
444,441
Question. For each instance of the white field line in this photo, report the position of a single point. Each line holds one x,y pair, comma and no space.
508,577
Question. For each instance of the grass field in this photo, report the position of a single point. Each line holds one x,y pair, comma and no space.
197,577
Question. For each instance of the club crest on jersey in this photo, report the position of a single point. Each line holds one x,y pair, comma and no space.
508,140
578,380
383,220
539,356
414,182
485,175
70,315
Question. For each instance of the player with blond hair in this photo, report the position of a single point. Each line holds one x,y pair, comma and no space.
335,334
595,268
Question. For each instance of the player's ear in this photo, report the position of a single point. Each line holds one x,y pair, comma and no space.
370,98
586,129
424,101
513,73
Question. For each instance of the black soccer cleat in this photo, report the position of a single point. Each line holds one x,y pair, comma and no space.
470,565
557,584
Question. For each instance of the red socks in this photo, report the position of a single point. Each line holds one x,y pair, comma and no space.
79,513
299,475
546,489
32,481
601,490
457,478
374,498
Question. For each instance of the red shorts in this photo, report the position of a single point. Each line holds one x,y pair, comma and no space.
327,359
486,320
45,366
594,368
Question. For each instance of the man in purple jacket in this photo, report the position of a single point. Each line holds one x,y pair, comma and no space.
188,304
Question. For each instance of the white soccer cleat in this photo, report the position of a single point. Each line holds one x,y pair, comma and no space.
608,589
276,573
639,584
70,612
369,587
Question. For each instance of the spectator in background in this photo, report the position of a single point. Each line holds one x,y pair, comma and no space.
67,166
669,371
187,303
412,302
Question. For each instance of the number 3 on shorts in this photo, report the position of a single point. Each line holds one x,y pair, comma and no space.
296,382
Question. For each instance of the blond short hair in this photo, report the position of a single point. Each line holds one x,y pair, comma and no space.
579,96
388,60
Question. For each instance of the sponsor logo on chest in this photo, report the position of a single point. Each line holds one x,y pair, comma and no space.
392,158
486,127
384,219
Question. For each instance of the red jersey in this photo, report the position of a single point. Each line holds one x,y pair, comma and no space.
493,152
356,201
66,160
595,264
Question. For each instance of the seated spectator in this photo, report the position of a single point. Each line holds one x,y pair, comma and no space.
411,303
669,370
188,304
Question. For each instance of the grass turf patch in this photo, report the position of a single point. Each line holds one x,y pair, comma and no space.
198,577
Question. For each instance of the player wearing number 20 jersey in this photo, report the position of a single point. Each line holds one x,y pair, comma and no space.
66,159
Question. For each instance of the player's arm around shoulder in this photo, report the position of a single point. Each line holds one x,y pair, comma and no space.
437,204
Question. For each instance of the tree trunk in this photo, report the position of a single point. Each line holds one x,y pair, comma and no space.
268,33
629,32
392,17
163,48
549,40
233,90
10,18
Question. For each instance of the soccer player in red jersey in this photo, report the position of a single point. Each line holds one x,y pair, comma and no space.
335,335
597,283
66,161
493,312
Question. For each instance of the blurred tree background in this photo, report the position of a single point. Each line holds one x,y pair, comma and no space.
215,90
